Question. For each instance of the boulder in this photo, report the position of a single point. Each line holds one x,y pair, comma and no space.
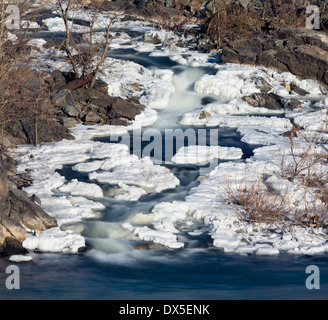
71,110
302,52
11,246
126,109
270,100
47,131
95,106
18,212
152,38
29,213
92,118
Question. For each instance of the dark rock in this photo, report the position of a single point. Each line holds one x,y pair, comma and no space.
46,131
265,100
71,111
56,80
152,38
125,109
291,104
68,122
92,118
101,86
36,199
63,98
119,122
302,52
28,213
12,246
298,90
262,84
268,59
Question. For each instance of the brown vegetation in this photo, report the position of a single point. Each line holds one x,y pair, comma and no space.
255,203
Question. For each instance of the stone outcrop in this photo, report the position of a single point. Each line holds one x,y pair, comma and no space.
302,52
93,105
65,108
18,211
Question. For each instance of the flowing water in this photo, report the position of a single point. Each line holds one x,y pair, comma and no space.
117,267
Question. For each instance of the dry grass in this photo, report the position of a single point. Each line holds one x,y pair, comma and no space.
255,202
230,22
305,171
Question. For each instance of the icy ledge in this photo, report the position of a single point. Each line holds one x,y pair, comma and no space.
71,201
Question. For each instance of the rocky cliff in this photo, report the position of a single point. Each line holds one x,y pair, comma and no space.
302,52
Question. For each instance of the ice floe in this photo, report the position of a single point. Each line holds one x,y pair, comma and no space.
204,154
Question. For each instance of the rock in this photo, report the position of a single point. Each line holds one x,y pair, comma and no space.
101,86
28,213
251,101
152,38
98,107
125,109
68,122
18,212
35,199
291,104
298,90
12,246
14,227
119,122
6,142
302,52
71,111
92,118
268,59
63,98
265,100
46,131
263,85
59,98
203,115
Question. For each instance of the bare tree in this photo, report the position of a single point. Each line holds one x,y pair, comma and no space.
85,56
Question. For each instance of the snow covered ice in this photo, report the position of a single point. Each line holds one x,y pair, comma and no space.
174,100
